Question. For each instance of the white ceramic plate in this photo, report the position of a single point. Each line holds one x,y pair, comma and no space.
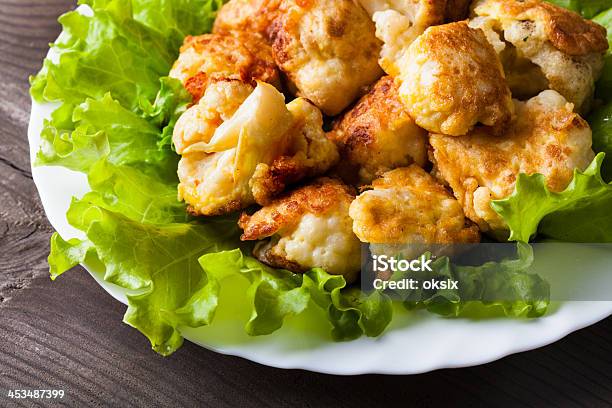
414,343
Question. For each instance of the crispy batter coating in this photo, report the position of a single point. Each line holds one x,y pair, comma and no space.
547,138
216,168
254,16
400,22
452,79
236,55
309,153
409,206
566,30
378,135
242,147
327,49
423,13
310,227
544,47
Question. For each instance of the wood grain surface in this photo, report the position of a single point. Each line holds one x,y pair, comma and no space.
68,334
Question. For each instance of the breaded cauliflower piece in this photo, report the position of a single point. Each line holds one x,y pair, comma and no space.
242,147
422,13
236,55
310,227
544,46
309,153
400,22
327,49
451,79
254,16
216,168
547,138
409,206
220,101
378,135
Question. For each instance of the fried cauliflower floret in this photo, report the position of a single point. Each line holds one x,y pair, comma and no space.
254,16
452,79
547,138
544,47
237,55
378,135
409,206
309,153
219,103
400,22
327,49
308,228
422,13
217,167
419,13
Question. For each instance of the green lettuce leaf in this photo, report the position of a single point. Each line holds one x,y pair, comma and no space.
276,294
601,124
171,102
103,129
506,286
171,19
604,85
587,8
101,54
601,119
351,312
160,261
135,193
580,213
123,48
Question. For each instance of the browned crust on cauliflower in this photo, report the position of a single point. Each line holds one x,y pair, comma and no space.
408,206
317,198
328,51
378,135
273,179
452,79
566,30
547,138
309,153
237,55
253,16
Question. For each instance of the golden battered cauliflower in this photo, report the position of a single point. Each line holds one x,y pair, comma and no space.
254,16
236,55
242,147
547,138
400,22
327,49
309,153
422,13
217,167
220,101
409,206
544,46
378,135
451,79
310,227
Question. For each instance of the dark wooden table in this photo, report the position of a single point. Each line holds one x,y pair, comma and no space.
68,334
